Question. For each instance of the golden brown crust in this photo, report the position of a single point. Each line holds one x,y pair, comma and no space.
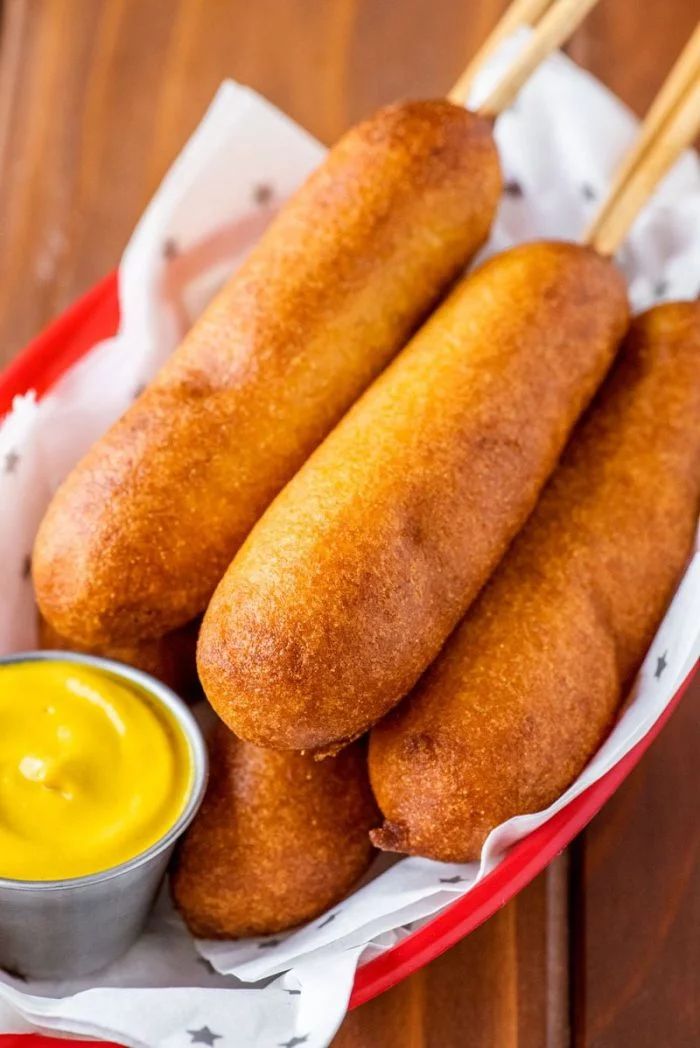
526,688
350,583
171,659
279,839
140,533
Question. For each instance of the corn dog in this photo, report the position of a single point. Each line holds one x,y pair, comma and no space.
279,838
351,582
139,534
170,658
527,687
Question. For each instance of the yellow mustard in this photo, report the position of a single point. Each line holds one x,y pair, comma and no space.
92,770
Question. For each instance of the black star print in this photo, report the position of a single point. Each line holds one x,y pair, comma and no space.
660,288
204,1036
588,192
328,920
268,943
15,974
26,566
262,194
293,993
293,1042
11,461
661,665
513,189
451,880
170,249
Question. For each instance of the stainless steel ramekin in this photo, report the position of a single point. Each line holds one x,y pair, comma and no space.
66,928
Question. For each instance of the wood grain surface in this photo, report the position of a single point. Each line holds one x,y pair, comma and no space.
96,99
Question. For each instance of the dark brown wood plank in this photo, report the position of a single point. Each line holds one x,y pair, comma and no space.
96,99
631,47
636,947
505,985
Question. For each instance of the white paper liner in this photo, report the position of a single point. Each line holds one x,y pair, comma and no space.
559,145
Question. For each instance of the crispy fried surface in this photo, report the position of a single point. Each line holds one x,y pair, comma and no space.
142,530
170,658
527,687
350,583
280,838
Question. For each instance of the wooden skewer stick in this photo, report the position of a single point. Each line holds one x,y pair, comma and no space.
556,26
633,178
676,135
519,13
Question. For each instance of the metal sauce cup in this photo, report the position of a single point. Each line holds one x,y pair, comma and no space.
66,928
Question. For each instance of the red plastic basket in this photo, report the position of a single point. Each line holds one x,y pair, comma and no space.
96,316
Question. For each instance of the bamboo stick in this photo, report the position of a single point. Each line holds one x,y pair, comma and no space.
669,127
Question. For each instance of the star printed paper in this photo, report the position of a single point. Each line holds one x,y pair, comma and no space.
559,144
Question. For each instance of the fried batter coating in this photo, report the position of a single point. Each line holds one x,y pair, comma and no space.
353,579
137,537
527,687
171,659
280,837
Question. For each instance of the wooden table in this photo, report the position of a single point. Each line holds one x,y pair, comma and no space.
96,98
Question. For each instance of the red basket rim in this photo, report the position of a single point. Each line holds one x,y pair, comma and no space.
96,316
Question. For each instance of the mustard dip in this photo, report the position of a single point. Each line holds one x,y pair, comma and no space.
92,770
